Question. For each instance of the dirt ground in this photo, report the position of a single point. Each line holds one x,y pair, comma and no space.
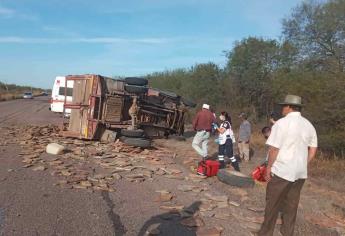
113,189
321,209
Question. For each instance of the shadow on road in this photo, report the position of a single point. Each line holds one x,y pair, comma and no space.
118,227
168,224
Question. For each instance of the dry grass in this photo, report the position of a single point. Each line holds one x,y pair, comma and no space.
10,96
257,140
6,96
328,172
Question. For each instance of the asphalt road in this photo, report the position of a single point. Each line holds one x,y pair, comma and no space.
27,111
30,204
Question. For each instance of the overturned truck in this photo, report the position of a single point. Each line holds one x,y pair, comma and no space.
127,106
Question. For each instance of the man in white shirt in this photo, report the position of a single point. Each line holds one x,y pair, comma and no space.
292,145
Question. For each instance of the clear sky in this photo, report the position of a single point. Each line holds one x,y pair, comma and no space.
40,39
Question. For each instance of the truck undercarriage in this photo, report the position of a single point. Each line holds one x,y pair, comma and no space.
100,103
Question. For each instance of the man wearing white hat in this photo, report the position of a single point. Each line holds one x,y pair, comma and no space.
202,124
292,145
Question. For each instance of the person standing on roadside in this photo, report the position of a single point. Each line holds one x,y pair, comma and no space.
225,141
202,124
244,137
292,145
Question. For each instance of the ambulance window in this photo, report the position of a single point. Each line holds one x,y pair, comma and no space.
69,91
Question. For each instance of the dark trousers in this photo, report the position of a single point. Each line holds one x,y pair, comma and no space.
227,150
281,196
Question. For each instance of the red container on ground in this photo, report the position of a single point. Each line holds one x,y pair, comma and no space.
208,168
259,173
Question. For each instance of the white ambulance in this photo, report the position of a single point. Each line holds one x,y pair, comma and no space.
58,94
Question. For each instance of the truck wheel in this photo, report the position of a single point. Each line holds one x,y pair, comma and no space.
168,94
138,142
188,102
132,133
235,178
123,138
178,137
136,81
136,89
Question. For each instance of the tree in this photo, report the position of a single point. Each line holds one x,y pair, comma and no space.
204,86
199,83
309,61
252,63
318,31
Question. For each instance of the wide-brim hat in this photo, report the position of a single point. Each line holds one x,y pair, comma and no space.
292,100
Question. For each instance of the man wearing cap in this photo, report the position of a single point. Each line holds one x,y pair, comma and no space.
244,137
202,124
292,145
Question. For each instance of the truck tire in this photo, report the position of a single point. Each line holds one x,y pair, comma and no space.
123,138
136,81
138,142
168,94
177,137
235,178
188,102
132,133
136,89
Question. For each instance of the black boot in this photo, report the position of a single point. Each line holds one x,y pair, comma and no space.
236,166
222,164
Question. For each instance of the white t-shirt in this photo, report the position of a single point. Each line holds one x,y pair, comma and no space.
292,135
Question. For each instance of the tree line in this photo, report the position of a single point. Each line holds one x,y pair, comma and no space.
308,60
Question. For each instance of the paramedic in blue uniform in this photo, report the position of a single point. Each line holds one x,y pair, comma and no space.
225,141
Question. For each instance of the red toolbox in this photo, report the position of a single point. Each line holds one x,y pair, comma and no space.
208,168
259,173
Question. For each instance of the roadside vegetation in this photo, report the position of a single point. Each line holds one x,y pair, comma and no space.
12,91
308,60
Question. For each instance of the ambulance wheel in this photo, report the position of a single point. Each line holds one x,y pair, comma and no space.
235,178
138,142
136,89
132,133
136,81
